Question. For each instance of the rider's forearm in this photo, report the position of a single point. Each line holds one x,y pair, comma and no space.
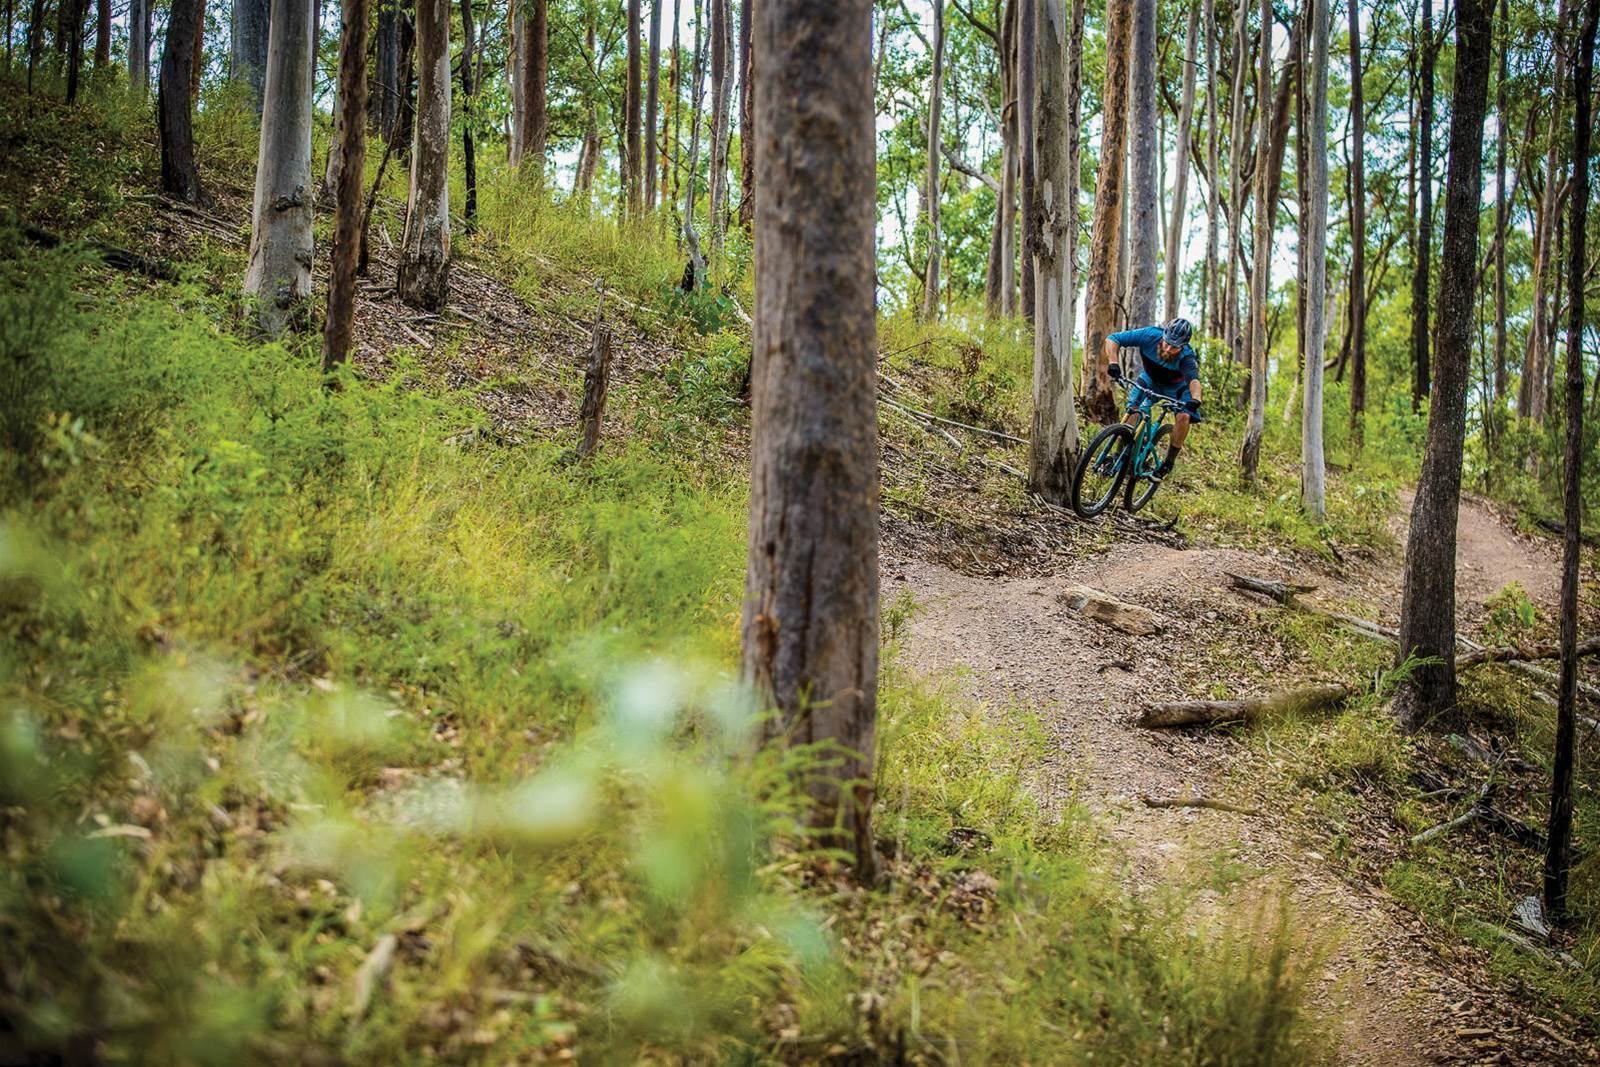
1111,351
1194,389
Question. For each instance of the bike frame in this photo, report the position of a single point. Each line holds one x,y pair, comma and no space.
1145,430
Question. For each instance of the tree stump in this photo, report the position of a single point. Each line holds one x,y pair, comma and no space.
595,380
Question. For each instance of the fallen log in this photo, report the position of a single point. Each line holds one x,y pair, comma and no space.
110,255
1195,802
1283,592
1521,655
1306,701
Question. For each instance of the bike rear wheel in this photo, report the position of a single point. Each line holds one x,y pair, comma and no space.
1101,469
1141,485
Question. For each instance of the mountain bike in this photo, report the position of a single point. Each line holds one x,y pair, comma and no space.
1125,457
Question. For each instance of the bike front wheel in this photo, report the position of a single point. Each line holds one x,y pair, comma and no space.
1101,469
1142,484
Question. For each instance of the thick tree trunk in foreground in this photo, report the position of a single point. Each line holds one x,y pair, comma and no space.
1100,289
1358,234
1428,607
336,331
1144,215
247,53
1261,258
930,186
810,626
180,177
1312,470
1027,30
1422,268
1237,191
1558,857
279,274
1180,179
1053,444
423,275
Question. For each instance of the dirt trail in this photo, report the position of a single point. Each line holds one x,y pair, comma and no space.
1011,642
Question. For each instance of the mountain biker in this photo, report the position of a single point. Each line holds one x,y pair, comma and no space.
1170,370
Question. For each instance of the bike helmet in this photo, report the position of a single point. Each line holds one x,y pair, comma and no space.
1177,332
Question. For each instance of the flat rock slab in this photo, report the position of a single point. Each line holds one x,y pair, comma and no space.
1102,607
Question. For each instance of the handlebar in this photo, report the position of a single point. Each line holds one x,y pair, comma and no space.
1162,400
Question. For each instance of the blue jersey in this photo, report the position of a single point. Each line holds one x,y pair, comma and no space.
1166,374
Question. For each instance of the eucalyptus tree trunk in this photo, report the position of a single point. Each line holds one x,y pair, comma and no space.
423,275
930,187
1501,203
1558,853
533,69
1260,257
278,278
1211,297
1099,300
1428,605
747,129
1027,22
1358,233
138,44
352,96
670,162
247,53
632,154
1312,470
589,153
180,177
102,34
384,97
1053,444
697,265
1008,160
1180,178
469,111
1144,148
1237,193
652,106
1531,393
515,33
810,621
721,94
1421,384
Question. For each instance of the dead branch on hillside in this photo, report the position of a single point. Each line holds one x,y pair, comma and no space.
110,255
1519,655
1304,701
1282,592
1196,802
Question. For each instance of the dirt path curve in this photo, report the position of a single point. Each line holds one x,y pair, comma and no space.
1011,642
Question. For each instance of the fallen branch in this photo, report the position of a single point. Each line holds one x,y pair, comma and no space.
931,417
1207,712
1443,828
1560,530
1195,802
1521,655
110,255
1283,592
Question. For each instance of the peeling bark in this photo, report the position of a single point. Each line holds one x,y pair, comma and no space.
1100,285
